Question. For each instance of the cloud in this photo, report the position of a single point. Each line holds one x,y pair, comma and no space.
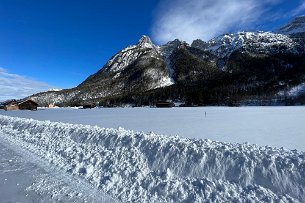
204,19
13,86
298,10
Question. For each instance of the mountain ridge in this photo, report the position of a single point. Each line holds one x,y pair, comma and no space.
256,65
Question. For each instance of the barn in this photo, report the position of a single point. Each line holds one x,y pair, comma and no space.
165,104
51,105
11,105
21,105
27,105
88,106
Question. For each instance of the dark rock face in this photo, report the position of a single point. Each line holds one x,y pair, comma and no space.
199,44
244,68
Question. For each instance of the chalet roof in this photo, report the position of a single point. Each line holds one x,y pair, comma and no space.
14,101
26,100
7,102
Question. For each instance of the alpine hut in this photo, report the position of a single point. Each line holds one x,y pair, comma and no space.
21,105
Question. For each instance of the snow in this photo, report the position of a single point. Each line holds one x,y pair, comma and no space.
54,97
265,42
124,58
164,82
275,126
54,90
159,79
26,178
145,42
145,167
166,51
294,91
130,54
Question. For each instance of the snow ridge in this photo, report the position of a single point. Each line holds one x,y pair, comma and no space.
128,55
294,91
260,42
166,52
139,167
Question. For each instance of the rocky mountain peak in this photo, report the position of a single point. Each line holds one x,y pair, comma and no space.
168,48
145,42
199,44
296,26
257,42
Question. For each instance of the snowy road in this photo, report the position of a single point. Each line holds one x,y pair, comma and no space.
274,126
25,178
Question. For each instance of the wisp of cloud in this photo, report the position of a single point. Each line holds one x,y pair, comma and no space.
13,86
204,19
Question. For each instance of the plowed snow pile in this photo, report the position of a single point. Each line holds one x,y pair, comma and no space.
138,167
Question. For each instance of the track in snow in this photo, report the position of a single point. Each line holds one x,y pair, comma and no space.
26,178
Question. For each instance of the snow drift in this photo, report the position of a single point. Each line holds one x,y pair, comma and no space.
139,167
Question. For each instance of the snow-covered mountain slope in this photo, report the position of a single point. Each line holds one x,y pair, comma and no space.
294,91
296,26
55,97
130,54
140,61
137,68
145,70
166,51
138,167
255,42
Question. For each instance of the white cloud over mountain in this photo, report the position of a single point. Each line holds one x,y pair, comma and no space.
204,19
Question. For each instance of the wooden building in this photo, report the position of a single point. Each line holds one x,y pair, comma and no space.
165,104
88,106
28,105
51,105
11,105
21,105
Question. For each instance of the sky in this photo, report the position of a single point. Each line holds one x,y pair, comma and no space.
48,44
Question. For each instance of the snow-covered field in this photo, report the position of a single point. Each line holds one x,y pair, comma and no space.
274,126
147,167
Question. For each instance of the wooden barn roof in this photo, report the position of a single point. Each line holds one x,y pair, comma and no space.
27,100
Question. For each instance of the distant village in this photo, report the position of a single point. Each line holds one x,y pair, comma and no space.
28,104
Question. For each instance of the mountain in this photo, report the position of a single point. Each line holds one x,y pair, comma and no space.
296,28
137,68
231,69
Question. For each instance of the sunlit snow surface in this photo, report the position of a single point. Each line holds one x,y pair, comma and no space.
147,167
274,126
26,178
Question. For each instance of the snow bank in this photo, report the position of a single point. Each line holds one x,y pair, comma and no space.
138,167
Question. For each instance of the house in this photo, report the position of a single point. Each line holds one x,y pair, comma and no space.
28,105
20,105
11,105
51,105
165,104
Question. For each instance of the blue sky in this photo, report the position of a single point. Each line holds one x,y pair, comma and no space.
59,43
